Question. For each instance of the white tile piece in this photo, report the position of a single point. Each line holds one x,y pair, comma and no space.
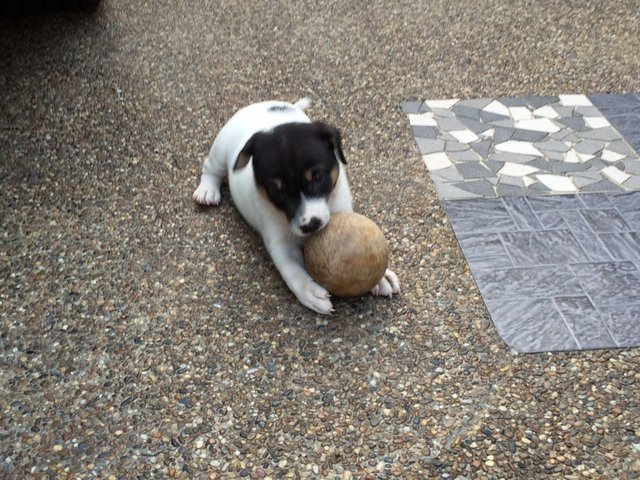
528,181
572,156
538,125
520,113
611,156
516,169
422,119
584,157
575,101
546,112
436,161
488,133
516,146
615,174
464,136
557,183
596,122
498,108
442,104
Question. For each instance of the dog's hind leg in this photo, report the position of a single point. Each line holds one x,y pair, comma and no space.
214,171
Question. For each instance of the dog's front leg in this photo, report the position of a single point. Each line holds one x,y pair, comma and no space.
289,261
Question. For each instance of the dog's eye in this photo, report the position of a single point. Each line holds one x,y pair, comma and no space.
317,178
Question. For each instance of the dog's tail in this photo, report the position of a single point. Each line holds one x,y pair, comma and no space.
303,103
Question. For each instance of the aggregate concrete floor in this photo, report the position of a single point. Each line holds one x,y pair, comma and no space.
143,337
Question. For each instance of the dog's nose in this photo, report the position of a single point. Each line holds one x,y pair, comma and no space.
311,226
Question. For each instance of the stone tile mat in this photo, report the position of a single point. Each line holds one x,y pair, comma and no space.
539,145
556,272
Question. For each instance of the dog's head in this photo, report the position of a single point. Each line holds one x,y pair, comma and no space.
296,168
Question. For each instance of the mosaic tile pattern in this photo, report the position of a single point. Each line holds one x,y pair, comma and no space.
543,194
556,273
533,146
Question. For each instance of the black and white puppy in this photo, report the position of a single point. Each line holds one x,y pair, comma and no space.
286,176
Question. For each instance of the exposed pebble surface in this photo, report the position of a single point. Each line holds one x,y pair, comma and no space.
143,337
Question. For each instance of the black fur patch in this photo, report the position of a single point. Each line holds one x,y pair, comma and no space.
294,159
280,108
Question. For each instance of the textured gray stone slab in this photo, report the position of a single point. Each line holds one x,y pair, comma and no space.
623,321
605,220
527,282
532,325
609,283
583,320
554,247
623,246
522,214
557,272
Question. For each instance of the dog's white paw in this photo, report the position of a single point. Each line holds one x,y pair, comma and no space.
388,285
316,298
207,193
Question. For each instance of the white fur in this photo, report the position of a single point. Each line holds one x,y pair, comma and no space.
282,239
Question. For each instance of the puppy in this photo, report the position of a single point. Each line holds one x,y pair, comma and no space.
286,175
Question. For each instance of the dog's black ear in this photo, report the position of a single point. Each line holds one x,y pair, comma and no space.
246,153
332,136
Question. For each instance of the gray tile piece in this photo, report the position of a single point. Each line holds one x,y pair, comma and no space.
464,111
623,321
621,147
552,145
633,220
477,103
426,145
473,170
411,106
510,190
631,166
466,156
632,183
425,132
512,157
540,101
486,262
511,102
502,134
482,147
609,283
488,117
449,124
601,186
481,187
554,247
528,135
587,111
450,174
606,133
530,326
584,322
589,147
475,126
574,123
450,191
455,146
